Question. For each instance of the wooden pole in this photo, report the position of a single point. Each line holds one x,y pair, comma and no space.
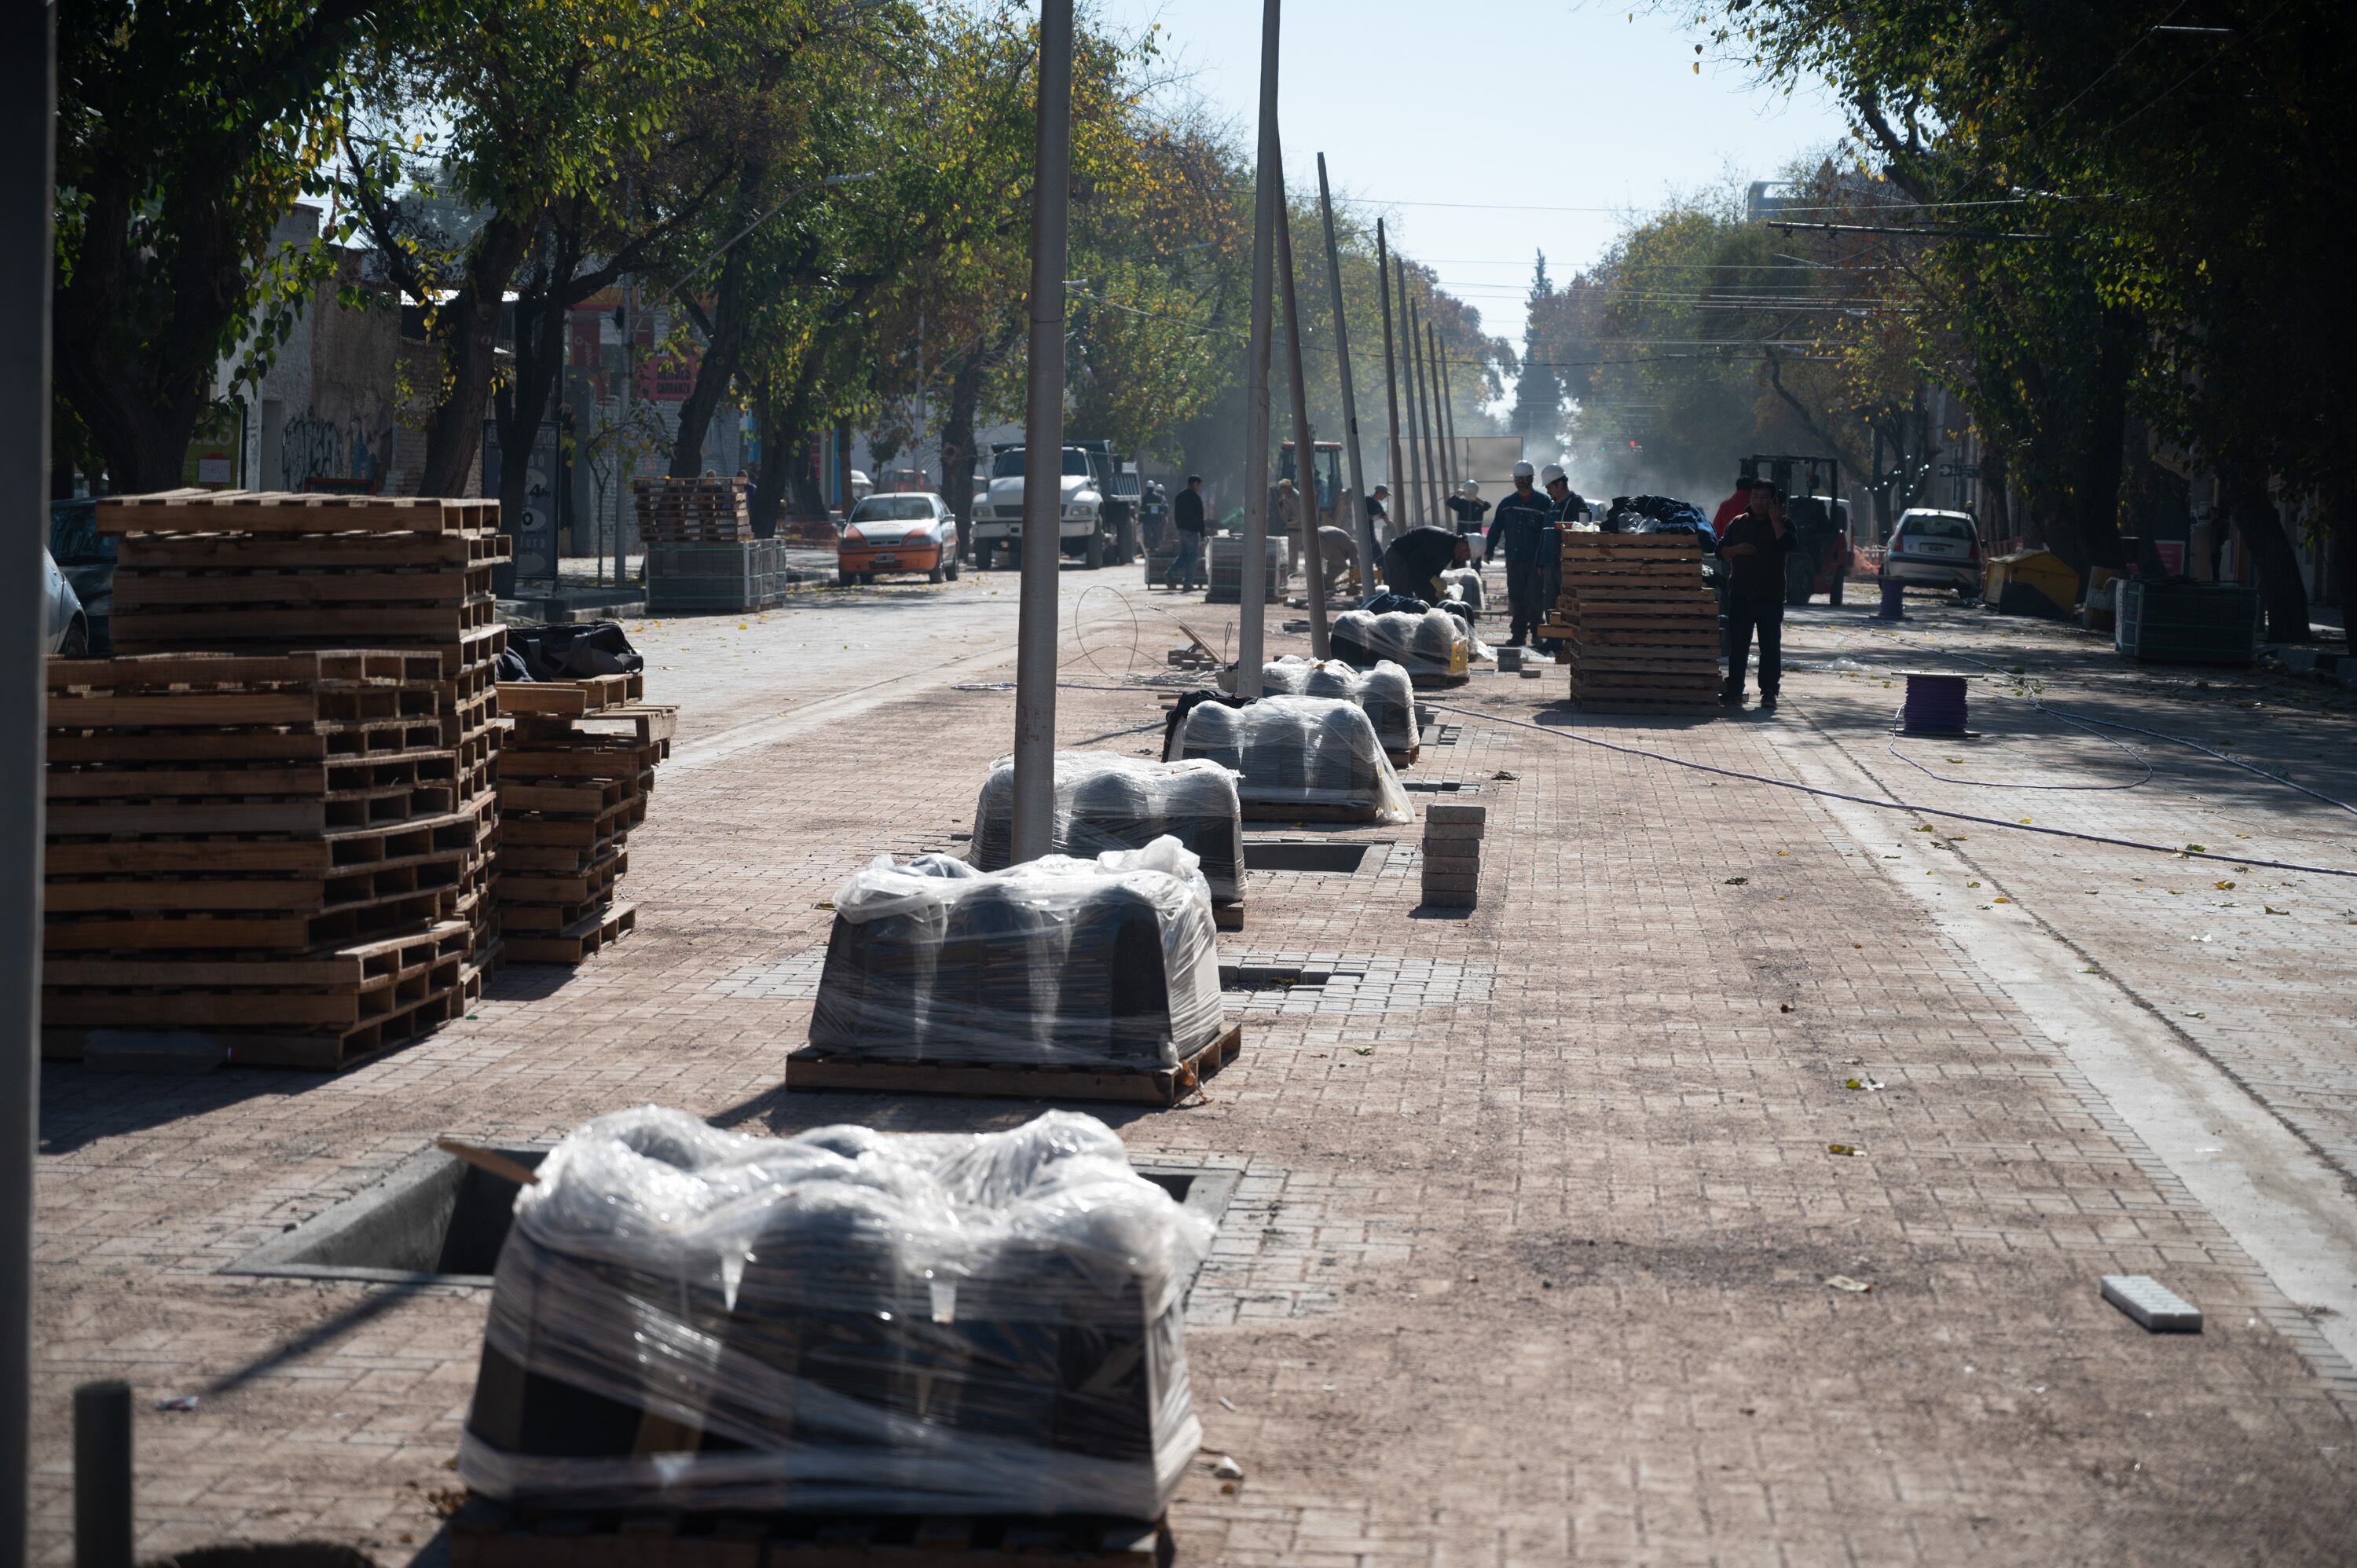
1360,525
1420,511
1305,450
1440,409
1268,193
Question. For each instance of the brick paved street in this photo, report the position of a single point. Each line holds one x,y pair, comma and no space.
1527,1263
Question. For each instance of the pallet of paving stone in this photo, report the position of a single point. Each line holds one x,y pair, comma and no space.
813,1068
485,1533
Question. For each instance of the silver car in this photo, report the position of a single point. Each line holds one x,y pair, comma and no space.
65,626
1935,550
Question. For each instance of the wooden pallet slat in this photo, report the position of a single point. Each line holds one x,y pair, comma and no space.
812,1069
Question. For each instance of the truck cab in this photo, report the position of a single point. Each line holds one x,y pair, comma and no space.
1089,527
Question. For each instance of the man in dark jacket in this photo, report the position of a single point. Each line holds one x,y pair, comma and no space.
1187,520
1467,508
1413,563
1520,526
1754,546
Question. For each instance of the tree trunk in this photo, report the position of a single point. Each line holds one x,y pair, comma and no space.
958,455
810,500
468,330
522,407
770,476
2095,494
2280,589
724,347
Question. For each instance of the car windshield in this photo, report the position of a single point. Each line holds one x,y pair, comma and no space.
1935,525
1008,464
893,509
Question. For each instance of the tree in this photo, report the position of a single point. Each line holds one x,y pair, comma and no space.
1538,417
185,133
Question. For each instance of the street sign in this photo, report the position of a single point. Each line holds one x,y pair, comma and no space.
1959,470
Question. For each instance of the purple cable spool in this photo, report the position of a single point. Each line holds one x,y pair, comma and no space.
1935,705
1894,600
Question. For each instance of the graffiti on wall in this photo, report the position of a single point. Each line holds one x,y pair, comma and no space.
325,449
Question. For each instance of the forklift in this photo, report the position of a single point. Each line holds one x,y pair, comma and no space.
1819,518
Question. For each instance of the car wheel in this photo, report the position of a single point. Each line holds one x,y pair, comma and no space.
935,575
952,569
1093,553
1836,597
845,579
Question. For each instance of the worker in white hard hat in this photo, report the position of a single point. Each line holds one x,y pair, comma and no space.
1570,507
1520,527
1468,507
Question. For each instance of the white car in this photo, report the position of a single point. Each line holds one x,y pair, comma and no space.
1086,530
64,625
903,532
1932,549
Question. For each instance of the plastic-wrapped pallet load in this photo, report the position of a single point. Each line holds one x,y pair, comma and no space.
1106,964
1467,580
1106,803
686,1318
1297,751
1384,694
1433,644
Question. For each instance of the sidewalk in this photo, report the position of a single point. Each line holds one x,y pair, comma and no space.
1528,1263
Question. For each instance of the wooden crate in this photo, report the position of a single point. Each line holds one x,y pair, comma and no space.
811,1068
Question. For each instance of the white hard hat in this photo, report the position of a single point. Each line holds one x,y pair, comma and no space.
1551,473
1522,470
1468,488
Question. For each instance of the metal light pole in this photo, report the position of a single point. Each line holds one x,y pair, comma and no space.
1358,499
1420,512
29,48
1441,411
1460,460
1305,450
1391,379
1269,196
1033,823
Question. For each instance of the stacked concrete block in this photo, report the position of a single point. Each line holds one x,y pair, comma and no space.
1452,855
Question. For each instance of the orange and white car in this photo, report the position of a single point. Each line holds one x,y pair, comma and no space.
904,532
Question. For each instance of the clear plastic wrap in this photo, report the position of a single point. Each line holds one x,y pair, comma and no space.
1297,751
1467,580
1107,802
846,1320
1434,643
1384,693
1106,964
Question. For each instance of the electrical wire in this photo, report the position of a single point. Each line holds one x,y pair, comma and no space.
2173,850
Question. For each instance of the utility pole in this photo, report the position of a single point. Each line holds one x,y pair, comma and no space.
1305,450
1268,198
28,52
1361,523
1391,382
1034,806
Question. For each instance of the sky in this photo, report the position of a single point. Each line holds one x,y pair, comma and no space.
1456,123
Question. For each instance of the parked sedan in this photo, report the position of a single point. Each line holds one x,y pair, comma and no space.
65,628
1935,550
898,533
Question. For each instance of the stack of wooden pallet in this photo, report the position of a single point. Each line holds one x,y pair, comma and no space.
262,572
1639,627
692,512
575,776
251,858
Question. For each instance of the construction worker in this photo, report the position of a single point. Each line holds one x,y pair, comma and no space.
1413,563
1468,507
1754,547
1520,527
1337,555
1570,506
1736,503
1284,504
1186,522
1378,519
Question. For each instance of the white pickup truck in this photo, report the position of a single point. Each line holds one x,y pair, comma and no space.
1089,529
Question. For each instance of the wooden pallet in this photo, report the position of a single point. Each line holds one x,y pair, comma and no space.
1228,917
352,552
1427,680
280,512
812,1069
573,944
570,699
488,1534
1405,758
1304,812
330,1050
